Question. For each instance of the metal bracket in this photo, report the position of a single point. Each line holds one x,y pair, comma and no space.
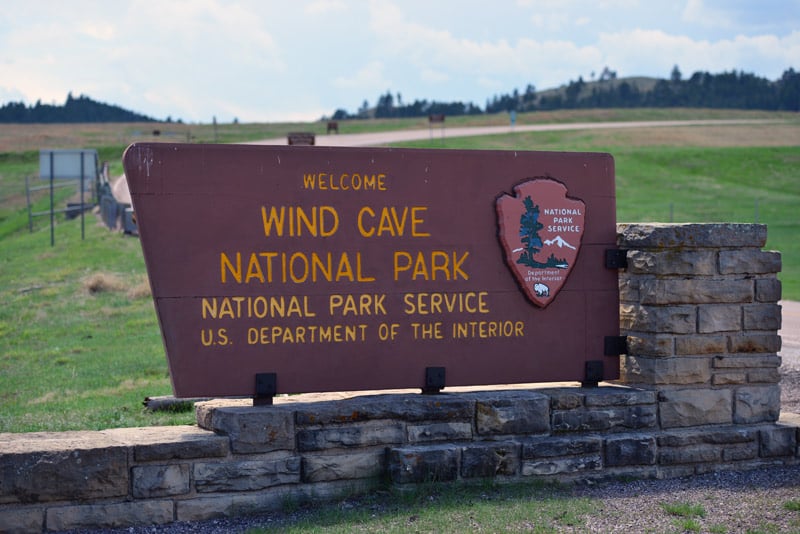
616,258
615,345
266,388
593,374
434,380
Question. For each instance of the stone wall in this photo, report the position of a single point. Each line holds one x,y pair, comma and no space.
699,392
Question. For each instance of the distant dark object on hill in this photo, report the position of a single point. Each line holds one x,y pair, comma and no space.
81,109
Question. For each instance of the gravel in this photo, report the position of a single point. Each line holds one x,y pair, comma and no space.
731,501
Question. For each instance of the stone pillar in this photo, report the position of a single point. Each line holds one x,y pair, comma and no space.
699,304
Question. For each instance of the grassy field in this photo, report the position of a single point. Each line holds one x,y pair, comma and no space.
79,341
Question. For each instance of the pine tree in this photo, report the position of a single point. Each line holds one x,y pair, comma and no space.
529,227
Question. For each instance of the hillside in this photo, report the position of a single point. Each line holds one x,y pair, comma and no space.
641,83
75,110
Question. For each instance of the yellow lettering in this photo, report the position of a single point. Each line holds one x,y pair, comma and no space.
439,265
273,218
317,221
362,230
225,263
457,266
344,270
253,270
439,303
416,221
420,269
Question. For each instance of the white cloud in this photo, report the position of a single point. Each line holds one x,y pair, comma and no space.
434,76
657,51
254,59
698,12
322,7
368,78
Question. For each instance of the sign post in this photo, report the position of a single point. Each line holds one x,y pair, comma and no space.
299,269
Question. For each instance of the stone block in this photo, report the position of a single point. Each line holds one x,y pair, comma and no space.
777,441
755,343
618,396
658,319
364,434
607,419
727,379
749,261
630,450
762,317
689,455
695,407
551,447
628,287
676,371
53,473
700,344
681,261
204,508
512,413
700,436
562,466
160,480
22,520
719,318
93,516
434,463
757,404
564,398
439,432
650,344
764,376
641,262
490,459
690,235
746,361
254,429
739,452
367,464
170,443
704,291
405,407
768,289
248,475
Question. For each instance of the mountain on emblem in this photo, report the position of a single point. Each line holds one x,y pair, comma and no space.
540,229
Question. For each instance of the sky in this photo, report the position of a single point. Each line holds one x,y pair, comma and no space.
286,60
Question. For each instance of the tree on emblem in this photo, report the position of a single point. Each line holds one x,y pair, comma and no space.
529,227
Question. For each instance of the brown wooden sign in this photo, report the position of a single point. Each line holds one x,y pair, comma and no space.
350,269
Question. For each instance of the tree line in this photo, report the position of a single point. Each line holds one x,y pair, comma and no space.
734,90
80,109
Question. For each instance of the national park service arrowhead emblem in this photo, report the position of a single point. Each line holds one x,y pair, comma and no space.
540,229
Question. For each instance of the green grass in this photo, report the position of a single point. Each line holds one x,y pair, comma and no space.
73,357
538,508
79,341
792,506
684,509
687,513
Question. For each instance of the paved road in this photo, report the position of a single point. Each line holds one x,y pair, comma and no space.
790,331
790,334
382,138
